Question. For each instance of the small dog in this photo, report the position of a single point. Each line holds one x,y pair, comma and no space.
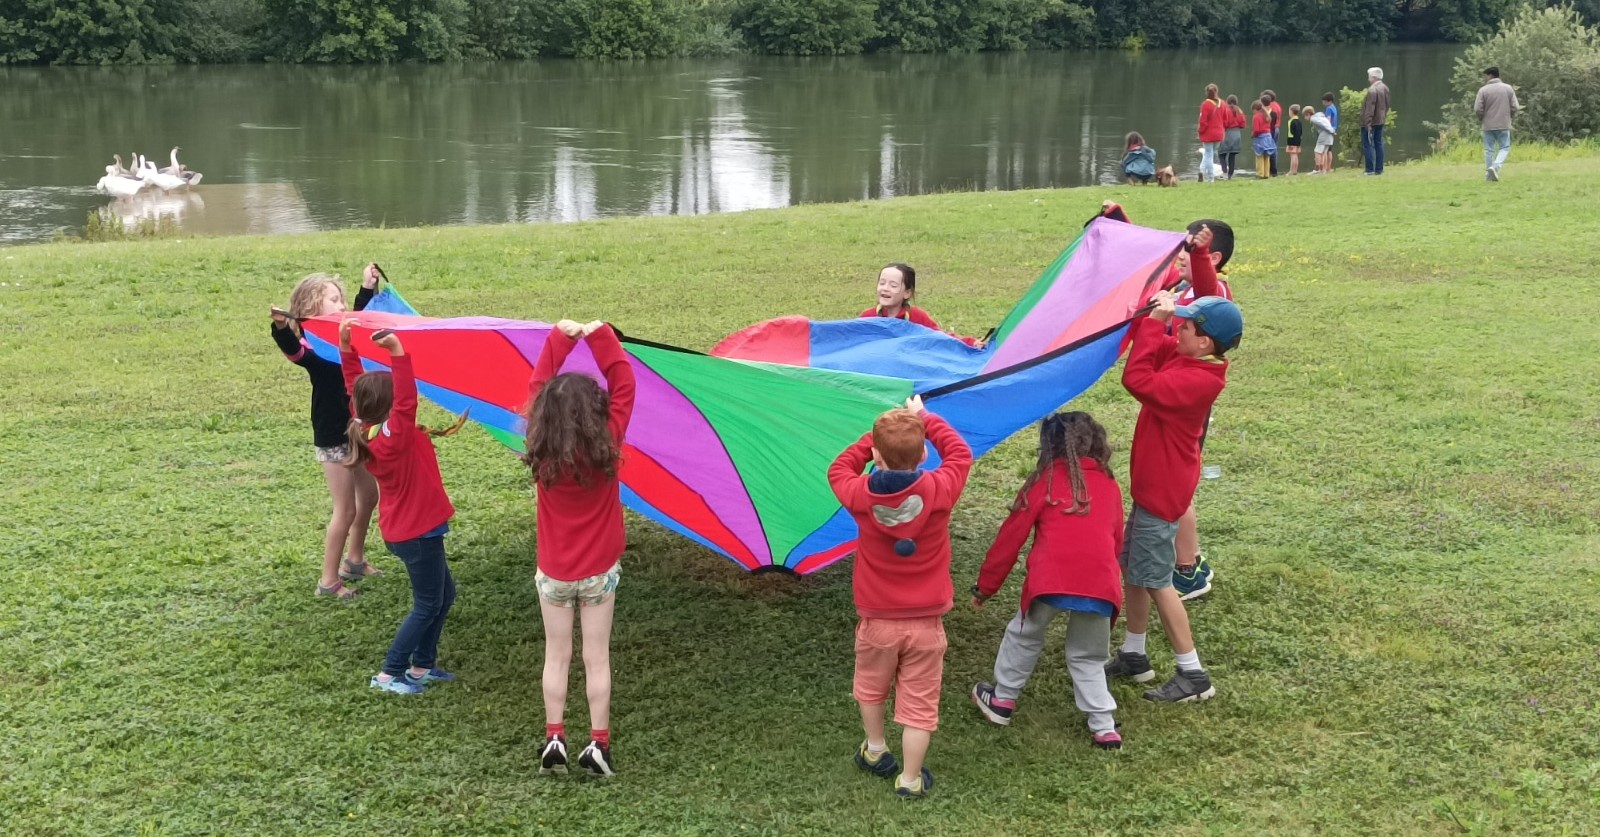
1165,176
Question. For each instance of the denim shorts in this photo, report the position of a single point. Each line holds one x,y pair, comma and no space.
1148,551
585,592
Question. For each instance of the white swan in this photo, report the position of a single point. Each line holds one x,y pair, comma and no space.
118,182
163,180
177,169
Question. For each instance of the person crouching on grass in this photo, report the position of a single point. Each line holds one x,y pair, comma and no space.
901,580
1176,378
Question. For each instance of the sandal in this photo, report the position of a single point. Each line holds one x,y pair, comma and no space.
356,570
338,590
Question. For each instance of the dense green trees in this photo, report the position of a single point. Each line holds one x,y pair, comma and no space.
370,31
1553,61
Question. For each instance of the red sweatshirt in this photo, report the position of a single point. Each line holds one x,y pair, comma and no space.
888,585
1072,554
921,318
1210,129
580,526
1175,394
1232,117
1260,124
411,498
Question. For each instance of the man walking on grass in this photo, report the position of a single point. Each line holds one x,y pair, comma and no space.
1495,105
1374,112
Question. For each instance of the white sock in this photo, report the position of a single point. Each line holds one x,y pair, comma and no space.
1133,643
1189,661
913,784
877,748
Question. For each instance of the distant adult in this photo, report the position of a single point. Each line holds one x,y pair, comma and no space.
1211,132
1495,105
1374,112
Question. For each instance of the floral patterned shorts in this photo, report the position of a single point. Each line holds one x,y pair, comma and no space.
335,454
585,592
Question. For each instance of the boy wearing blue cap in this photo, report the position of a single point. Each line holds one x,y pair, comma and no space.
1176,378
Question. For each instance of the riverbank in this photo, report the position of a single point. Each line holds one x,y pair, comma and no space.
1403,533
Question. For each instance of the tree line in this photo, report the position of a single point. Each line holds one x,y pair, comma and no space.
378,31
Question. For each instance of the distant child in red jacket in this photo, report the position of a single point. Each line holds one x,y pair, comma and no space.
897,284
901,580
574,447
413,510
1072,507
1176,378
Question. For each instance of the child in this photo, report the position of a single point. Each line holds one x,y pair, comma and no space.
1275,116
1296,129
1261,141
574,446
901,580
1073,508
1330,110
1175,378
1139,163
1233,123
1210,132
413,510
897,284
355,495
1324,147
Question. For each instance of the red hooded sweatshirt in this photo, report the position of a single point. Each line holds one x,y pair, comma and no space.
915,520
1175,394
579,526
1072,554
411,498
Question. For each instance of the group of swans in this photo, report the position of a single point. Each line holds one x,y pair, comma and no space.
122,183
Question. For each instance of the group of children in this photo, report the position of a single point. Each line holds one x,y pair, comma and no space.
1086,560
1221,130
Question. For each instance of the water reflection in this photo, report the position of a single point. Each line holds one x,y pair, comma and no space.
289,149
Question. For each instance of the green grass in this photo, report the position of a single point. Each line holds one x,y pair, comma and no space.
1402,633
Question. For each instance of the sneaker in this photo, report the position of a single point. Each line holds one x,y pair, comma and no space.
995,709
921,789
1184,687
553,755
883,764
1135,667
432,675
1108,740
1194,583
1493,174
596,758
400,685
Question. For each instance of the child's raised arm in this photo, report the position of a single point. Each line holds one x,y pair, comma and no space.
403,409
846,468
349,361
369,286
954,454
557,345
613,363
1202,273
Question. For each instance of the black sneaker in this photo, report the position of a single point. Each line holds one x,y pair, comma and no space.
1184,687
996,710
553,755
596,758
884,764
1135,667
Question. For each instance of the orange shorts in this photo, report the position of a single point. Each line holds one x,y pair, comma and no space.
907,655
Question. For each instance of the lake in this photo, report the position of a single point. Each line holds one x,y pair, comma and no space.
289,149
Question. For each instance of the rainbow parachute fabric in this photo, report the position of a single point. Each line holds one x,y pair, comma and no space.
731,450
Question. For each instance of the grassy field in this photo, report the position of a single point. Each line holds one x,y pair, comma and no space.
1403,631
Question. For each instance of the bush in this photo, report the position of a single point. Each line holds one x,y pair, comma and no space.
1349,147
807,27
1553,61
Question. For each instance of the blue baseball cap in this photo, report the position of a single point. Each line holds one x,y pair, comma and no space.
1219,318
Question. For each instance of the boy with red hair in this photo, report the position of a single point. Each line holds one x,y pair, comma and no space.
901,580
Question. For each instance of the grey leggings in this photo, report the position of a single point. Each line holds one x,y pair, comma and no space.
1087,651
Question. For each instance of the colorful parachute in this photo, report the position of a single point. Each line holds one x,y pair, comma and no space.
732,451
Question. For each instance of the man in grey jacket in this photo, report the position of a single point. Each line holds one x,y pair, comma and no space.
1374,112
1495,105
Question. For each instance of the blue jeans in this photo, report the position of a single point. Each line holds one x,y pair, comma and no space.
433,591
1372,148
1208,160
1493,140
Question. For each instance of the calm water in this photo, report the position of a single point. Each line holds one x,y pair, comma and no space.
291,149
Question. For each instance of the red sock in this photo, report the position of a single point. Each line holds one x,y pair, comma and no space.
601,736
555,729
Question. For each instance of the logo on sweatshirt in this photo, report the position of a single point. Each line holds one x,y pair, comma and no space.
906,512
